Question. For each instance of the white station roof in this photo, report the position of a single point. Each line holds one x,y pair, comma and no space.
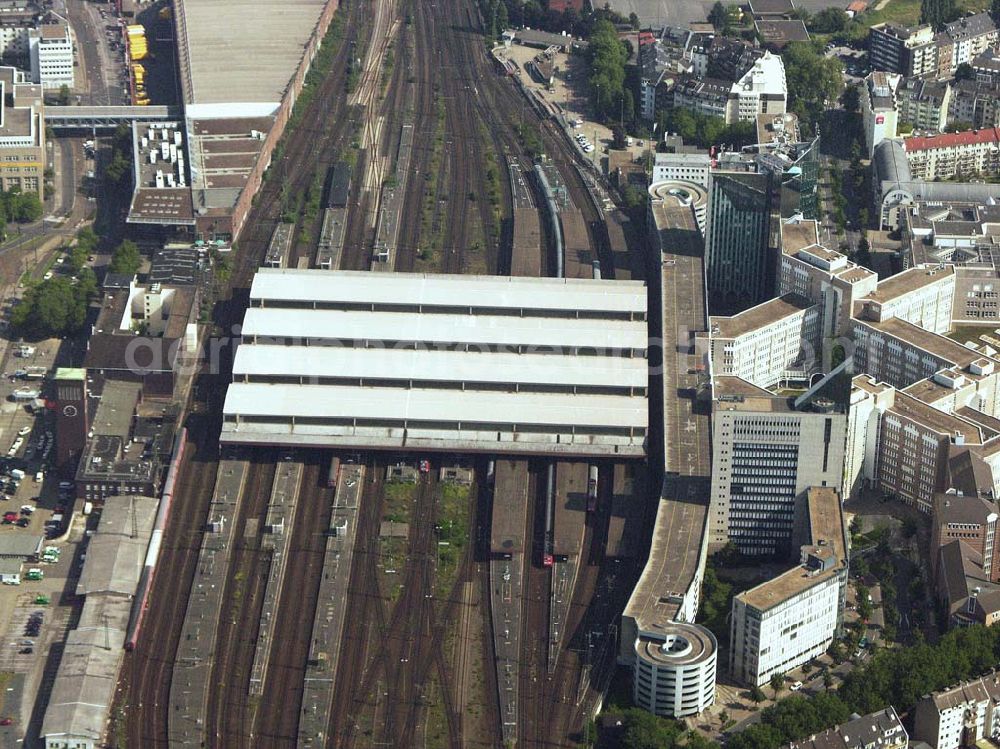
398,404
457,363
475,292
443,366
486,330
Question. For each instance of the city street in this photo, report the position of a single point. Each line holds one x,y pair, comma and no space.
99,74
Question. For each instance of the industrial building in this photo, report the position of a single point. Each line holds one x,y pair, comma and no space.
238,91
792,618
79,705
470,363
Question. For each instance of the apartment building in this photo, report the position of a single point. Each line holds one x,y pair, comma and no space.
707,96
22,134
766,451
792,618
881,730
923,103
51,53
975,102
898,49
970,37
986,66
941,157
961,715
761,90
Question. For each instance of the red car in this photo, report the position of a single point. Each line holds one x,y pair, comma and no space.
10,517
7,722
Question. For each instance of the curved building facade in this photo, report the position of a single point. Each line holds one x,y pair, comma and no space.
684,193
674,674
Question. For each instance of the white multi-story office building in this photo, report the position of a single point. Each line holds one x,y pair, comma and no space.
686,167
761,90
765,453
879,114
770,343
51,50
793,617
823,276
961,715
923,296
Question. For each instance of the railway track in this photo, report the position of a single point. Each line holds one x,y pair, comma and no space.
278,714
144,686
367,626
229,708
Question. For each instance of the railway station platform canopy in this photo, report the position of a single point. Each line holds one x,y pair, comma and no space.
435,362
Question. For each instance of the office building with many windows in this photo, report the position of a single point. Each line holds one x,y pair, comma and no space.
737,258
792,618
766,451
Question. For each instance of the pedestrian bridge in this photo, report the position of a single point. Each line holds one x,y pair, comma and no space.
103,118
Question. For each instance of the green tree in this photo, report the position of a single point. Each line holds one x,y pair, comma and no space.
643,730
718,16
777,681
938,12
964,72
63,97
126,258
53,308
851,98
607,69
829,21
813,81
757,694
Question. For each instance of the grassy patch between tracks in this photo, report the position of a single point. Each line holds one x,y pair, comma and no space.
452,535
436,722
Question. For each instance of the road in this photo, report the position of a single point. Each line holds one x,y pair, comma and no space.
660,13
98,80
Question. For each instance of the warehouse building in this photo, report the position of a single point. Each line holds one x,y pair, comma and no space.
457,363
79,706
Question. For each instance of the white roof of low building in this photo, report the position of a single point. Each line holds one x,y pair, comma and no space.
472,292
442,366
485,330
425,405
117,551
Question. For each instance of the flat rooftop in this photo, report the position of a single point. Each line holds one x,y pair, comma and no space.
345,358
826,530
946,424
417,291
778,33
674,555
938,345
907,281
798,235
770,312
235,51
